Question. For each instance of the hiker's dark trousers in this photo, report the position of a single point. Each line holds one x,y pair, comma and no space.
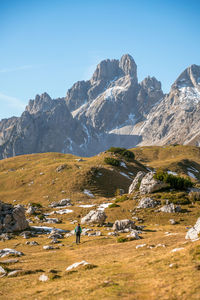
78,238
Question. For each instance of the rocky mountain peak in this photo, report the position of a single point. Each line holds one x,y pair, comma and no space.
128,65
190,77
106,70
41,103
151,83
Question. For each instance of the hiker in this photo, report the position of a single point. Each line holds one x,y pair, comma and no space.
78,231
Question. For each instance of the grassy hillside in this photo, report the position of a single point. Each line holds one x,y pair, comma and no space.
122,271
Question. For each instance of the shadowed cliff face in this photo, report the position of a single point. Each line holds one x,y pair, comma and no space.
110,109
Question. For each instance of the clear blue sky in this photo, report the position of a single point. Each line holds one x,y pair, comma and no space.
46,46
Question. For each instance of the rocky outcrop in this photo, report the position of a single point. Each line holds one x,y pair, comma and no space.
193,233
12,218
170,208
136,182
94,217
148,202
175,119
124,225
149,184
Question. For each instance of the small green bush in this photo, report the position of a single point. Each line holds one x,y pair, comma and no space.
175,182
34,204
176,197
122,199
122,239
113,205
127,154
41,217
112,161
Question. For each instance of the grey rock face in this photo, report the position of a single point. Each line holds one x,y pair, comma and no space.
170,208
136,181
175,119
12,218
147,202
149,184
193,233
94,217
110,109
123,225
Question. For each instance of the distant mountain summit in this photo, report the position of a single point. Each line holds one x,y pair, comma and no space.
110,109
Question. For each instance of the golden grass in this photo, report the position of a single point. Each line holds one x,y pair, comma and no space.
122,272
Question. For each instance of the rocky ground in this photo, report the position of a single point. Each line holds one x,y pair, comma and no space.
137,245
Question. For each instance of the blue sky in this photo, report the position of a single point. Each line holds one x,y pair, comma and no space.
46,46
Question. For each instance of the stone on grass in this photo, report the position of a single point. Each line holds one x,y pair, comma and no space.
48,247
31,210
124,225
94,217
76,265
12,218
2,271
33,243
176,249
147,202
149,184
134,235
136,181
193,233
63,202
7,251
172,222
113,233
14,273
43,278
170,208
61,168
140,246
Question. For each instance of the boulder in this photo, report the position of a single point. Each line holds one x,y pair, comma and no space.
76,265
63,202
61,168
149,184
2,271
134,235
12,218
170,208
94,217
136,182
31,210
147,202
7,251
193,233
172,222
43,278
124,225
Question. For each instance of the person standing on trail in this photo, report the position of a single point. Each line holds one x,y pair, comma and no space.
78,231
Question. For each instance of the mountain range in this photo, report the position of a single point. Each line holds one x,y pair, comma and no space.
110,109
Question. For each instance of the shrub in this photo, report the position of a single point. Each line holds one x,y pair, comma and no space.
122,239
127,154
194,196
176,198
175,182
112,161
121,199
34,204
113,205
41,217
